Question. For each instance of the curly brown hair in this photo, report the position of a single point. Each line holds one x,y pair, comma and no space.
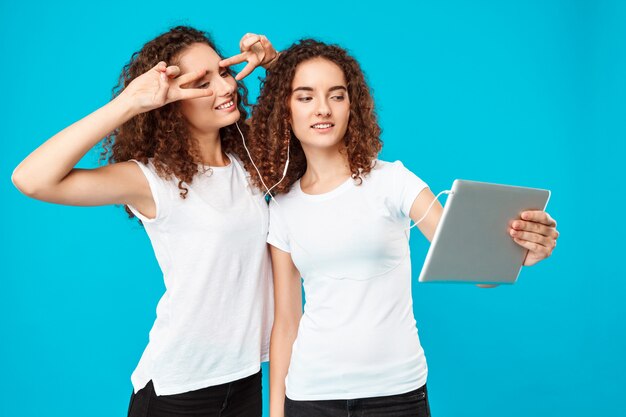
270,130
163,133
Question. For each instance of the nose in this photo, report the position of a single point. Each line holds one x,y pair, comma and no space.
225,86
323,109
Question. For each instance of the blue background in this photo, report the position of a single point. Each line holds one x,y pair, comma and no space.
520,92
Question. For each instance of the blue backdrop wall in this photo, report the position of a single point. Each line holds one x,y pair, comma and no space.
521,92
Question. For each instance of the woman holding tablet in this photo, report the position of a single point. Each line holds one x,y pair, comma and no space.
340,221
175,164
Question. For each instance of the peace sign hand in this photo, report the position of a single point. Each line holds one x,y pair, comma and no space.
162,85
256,50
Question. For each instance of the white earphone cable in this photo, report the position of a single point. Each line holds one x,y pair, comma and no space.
432,203
268,192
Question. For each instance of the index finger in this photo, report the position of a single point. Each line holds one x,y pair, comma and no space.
538,216
184,79
190,93
245,71
235,59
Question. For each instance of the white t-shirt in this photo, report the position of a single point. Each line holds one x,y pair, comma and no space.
357,337
213,322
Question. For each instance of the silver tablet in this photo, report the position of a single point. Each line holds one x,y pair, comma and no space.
472,243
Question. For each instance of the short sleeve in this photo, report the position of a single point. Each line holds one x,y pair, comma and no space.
278,235
160,193
407,186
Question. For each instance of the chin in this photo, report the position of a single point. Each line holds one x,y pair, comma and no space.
327,143
230,118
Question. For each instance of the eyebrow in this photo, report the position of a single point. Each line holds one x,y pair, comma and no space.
337,87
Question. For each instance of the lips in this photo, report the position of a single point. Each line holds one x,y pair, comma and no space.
226,105
322,126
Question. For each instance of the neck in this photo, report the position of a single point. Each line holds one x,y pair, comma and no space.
326,169
210,147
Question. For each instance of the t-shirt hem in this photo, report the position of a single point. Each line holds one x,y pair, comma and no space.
355,395
164,389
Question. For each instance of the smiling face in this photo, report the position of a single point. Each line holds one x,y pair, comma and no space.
208,114
319,104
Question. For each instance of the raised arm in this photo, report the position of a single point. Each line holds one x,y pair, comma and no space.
287,314
534,230
255,50
48,173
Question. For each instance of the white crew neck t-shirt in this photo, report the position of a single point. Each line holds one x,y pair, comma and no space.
357,337
214,320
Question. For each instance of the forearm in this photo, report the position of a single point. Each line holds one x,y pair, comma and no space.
282,339
50,163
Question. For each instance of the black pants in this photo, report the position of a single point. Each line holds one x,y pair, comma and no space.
241,398
411,404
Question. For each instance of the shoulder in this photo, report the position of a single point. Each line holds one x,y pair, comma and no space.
385,170
140,166
393,169
394,177
158,182
383,167
126,171
245,175
386,166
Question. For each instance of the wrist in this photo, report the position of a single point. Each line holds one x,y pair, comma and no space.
268,65
124,106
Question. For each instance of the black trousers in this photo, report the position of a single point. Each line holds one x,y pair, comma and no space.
241,398
410,404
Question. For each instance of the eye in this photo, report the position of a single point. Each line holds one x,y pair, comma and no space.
304,99
224,74
340,97
205,85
